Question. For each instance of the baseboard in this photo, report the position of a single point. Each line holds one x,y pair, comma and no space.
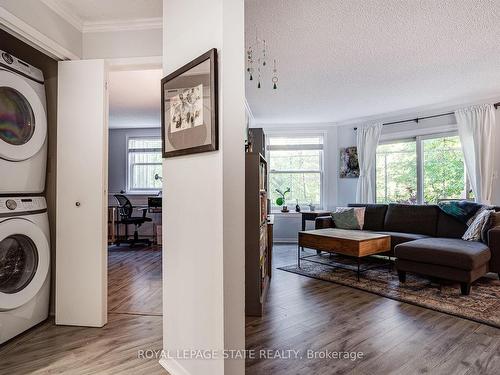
173,367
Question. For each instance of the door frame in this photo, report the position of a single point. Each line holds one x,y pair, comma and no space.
127,64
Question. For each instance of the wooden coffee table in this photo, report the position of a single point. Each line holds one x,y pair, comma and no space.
353,243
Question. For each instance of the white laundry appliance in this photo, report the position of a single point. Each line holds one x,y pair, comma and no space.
24,264
23,127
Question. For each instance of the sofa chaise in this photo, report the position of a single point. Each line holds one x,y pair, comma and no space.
427,241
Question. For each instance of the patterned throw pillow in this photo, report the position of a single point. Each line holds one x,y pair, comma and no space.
349,217
477,229
463,211
479,212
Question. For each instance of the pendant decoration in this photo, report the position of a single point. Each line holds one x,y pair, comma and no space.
257,58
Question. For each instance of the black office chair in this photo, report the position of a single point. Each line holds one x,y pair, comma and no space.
125,210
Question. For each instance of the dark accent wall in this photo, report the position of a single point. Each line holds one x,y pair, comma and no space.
32,56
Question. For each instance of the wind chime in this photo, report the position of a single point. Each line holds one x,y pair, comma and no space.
257,63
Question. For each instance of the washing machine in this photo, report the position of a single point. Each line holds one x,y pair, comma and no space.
23,127
24,264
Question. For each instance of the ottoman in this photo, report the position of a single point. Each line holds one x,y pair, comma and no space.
443,258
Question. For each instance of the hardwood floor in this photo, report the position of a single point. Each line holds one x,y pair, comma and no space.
395,338
134,324
301,314
134,284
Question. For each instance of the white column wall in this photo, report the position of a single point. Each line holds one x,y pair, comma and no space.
203,239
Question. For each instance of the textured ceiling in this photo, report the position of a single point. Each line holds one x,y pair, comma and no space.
345,59
112,10
134,99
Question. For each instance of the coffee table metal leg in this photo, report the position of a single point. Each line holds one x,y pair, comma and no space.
298,255
358,268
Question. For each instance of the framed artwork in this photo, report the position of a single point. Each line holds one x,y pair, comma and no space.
189,108
349,167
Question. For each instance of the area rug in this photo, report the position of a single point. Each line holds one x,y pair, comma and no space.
482,305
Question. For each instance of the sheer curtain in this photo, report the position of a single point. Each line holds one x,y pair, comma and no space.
367,141
476,130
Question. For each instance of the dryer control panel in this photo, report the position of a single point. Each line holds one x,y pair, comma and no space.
18,65
22,205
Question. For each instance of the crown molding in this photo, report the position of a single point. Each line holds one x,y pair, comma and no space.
65,13
103,26
123,25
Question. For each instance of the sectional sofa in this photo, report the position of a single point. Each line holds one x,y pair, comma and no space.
427,241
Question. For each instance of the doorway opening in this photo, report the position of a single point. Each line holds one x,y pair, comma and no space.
134,198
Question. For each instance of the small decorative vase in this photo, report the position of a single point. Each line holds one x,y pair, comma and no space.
284,209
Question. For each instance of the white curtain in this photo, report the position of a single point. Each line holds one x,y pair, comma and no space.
476,129
367,141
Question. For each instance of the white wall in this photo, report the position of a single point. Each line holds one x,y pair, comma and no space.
124,43
204,241
40,17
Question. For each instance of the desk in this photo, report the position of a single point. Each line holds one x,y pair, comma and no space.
312,215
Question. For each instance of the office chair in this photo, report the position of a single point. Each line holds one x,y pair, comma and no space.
125,210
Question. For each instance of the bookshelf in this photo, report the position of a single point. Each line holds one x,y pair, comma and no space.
258,249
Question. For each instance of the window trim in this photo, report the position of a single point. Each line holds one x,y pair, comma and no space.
129,166
420,165
322,148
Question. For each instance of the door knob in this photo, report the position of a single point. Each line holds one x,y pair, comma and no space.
77,204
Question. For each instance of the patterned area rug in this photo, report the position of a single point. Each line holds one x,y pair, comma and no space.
482,305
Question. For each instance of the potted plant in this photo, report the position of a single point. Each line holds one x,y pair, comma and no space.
280,201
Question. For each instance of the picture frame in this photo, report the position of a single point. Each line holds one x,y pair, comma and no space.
349,166
189,108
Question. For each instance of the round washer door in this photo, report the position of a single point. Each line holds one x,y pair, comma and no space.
24,262
23,121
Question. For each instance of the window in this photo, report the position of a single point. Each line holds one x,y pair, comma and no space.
397,172
144,162
296,162
443,169
422,170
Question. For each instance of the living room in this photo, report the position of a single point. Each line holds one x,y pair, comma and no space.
377,103
354,232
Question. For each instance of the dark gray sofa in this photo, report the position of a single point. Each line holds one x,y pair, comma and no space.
427,241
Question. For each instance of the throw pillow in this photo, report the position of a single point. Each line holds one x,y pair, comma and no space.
349,217
479,212
478,226
460,210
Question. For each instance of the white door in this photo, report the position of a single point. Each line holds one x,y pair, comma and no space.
82,148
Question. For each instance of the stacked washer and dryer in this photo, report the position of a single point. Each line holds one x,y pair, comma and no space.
24,225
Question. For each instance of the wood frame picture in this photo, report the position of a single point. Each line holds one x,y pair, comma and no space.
189,108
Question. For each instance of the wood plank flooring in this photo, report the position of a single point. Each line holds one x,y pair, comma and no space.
134,323
301,314
395,338
134,285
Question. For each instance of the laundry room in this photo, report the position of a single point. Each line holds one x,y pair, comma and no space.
40,163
